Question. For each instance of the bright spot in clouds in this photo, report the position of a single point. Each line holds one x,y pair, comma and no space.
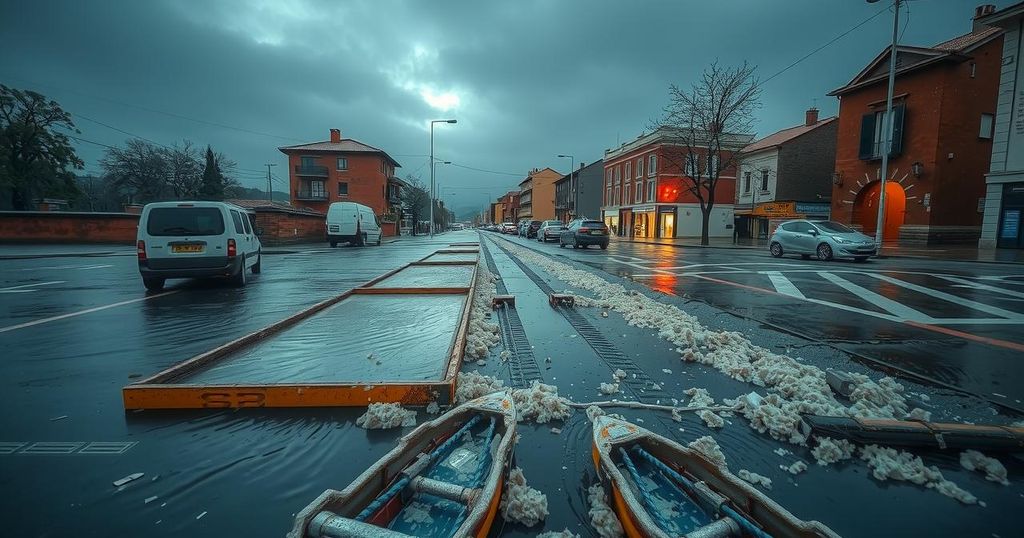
440,101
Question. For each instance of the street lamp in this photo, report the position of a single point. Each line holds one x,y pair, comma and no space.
572,185
432,122
887,145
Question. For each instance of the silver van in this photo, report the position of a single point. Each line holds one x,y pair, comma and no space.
197,240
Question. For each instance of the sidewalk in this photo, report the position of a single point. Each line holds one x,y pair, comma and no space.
29,251
939,252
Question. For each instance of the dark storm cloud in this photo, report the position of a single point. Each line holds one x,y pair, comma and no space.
533,78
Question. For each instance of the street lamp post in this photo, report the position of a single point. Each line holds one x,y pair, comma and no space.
887,129
432,122
572,185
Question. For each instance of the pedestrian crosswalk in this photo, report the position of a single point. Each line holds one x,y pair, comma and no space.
894,295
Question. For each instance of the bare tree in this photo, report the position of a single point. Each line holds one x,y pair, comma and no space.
415,201
706,126
184,170
139,170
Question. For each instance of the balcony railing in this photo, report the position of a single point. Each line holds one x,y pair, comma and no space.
304,194
318,171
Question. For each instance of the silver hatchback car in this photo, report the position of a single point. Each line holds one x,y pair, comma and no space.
824,239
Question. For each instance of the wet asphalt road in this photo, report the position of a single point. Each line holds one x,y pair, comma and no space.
75,330
959,324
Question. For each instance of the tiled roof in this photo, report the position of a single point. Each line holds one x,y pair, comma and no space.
785,135
346,145
277,206
960,43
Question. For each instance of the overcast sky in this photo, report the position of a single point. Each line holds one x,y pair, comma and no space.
527,80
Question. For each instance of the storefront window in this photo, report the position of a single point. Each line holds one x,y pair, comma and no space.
667,225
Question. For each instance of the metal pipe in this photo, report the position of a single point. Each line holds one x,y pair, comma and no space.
887,147
330,525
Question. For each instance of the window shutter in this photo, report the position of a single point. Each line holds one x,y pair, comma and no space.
867,135
897,131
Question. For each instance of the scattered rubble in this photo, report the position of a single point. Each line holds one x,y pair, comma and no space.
709,448
831,450
608,388
886,463
797,467
540,403
471,385
481,335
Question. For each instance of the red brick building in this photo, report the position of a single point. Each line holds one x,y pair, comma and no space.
943,110
646,190
509,207
345,170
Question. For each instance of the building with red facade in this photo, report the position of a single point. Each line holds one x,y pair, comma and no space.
345,170
646,192
509,204
943,112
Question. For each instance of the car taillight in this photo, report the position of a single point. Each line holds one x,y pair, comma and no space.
140,249
584,229
232,250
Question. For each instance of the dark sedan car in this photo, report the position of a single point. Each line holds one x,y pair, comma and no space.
550,230
583,233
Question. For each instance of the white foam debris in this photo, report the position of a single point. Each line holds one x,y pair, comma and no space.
521,503
471,385
781,451
666,371
556,431
924,397
972,460
1018,424
383,416
604,314
889,463
754,478
540,403
481,335
709,448
418,513
558,534
797,467
593,412
433,408
700,398
481,362
619,374
505,355
608,388
602,518
829,450
919,414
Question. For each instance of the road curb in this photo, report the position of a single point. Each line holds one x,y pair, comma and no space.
64,255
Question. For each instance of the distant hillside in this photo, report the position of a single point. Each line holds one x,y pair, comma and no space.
249,193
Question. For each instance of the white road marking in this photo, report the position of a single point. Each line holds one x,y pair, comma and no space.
949,297
81,312
783,285
885,303
980,286
33,285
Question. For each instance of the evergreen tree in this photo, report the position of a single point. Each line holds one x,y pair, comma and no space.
213,181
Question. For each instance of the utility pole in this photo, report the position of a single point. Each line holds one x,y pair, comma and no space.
888,121
432,188
270,185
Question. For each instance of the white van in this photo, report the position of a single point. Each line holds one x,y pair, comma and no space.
196,240
349,222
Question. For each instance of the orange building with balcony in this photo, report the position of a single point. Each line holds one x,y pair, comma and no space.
345,170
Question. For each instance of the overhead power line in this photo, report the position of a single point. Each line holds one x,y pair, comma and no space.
833,40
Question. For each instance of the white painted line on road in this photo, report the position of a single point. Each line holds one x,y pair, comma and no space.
644,267
783,285
81,312
980,286
949,297
885,303
87,267
33,285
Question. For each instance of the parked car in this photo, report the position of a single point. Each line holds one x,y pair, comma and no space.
508,228
549,230
582,233
349,222
824,239
530,228
196,240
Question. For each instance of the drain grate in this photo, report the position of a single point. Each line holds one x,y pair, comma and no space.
523,368
640,384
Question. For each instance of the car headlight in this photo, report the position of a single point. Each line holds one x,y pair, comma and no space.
840,240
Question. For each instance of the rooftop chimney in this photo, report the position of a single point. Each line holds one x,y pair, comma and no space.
811,116
979,12
335,136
